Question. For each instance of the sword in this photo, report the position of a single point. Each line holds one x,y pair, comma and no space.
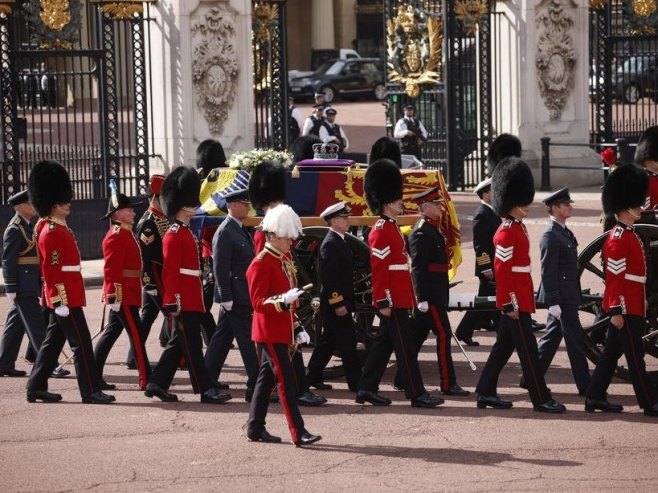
470,362
650,335
102,327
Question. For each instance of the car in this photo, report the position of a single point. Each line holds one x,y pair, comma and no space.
318,57
636,78
351,77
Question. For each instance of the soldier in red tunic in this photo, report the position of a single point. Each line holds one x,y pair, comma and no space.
183,296
392,292
513,191
122,287
274,294
646,155
624,298
50,192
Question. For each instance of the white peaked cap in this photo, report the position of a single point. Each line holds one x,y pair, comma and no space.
283,222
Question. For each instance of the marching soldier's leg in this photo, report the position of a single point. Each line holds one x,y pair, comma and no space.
377,359
240,318
500,353
323,350
631,341
190,328
605,368
574,340
444,355
164,371
33,321
46,357
219,347
547,346
148,314
77,334
345,338
261,398
420,328
108,337
129,316
405,354
10,343
285,374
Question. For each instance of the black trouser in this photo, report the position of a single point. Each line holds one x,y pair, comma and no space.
394,335
479,319
233,324
337,334
184,341
274,362
574,339
127,317
436,320
25,315
151,306
208,323
626,341
299,374
74,330
515,334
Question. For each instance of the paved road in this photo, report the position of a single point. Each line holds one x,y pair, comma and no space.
146,445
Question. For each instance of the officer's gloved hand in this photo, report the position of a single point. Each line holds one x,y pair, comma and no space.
115,307
555,310
292,295
152,292
302,337
62,311
423,306
227,305
12,297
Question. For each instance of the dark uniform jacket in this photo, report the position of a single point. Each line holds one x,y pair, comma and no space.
336,266
151,228
429,263
485,224
233,251
560,282
20,264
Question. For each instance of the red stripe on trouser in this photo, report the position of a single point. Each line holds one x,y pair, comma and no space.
410,381
637,367
441,348
527,352
190,367
137,343
281,384
82,351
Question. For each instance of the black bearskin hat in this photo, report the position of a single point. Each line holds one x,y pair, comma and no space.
382,184
512,184
48,184
388,148
625,188
267,184
505,145
647,146
180,189
302,147
210,155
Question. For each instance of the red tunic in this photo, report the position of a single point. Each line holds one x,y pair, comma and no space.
391,279
625,272
514,289
123,266
59,258
259,240
652,192
269,276
181,270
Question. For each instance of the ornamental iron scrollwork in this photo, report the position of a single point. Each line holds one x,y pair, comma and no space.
54,24
414,43
6,7
215,67
597,4
556,56
470,14
642,16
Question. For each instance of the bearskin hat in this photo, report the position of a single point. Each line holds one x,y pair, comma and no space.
180,189
625,188
505,145
210,155
49,184
647,146
388,148
302,147
512,184
267,184
382,184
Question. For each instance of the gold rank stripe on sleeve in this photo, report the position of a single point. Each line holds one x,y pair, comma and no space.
277,301
147,239
483,259
61,298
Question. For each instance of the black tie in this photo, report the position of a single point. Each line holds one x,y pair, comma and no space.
571,235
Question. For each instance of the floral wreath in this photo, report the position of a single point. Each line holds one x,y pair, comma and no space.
247,160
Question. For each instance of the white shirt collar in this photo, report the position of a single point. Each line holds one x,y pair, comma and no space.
342,235
564,225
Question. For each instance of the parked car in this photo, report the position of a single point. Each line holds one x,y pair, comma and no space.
635,78
318,57
352,77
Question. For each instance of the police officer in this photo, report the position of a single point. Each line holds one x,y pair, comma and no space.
183,296
315,122
560,291
513,191
122,287
485,224
50,192
336,301
392,292
624,264
411,132
233,251
333,133
274,294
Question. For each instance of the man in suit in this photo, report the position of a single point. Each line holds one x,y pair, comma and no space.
336,301
485,224
560,291
233,251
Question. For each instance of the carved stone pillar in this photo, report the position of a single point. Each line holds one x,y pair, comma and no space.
322,24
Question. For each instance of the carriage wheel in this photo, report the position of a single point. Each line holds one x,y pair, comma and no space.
595,322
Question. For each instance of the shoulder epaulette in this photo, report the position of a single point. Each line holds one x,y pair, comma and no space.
507,223
174,228
619,230
380,224
116,229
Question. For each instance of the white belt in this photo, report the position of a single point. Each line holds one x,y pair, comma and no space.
190,272
398,267
633,277
521,268
71,268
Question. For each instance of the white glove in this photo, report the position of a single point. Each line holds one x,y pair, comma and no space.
62,311
152,292
12,297
115,307
423,306
302,337
227,305
555,310
292,295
